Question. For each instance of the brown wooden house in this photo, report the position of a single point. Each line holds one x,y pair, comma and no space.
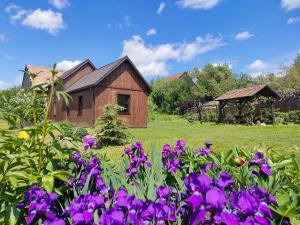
118,82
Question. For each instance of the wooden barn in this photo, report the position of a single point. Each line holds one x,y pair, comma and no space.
118,82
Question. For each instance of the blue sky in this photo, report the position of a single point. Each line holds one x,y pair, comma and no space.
161,37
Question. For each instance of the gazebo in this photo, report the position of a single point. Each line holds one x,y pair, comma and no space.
241,97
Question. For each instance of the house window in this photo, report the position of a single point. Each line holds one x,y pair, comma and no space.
123,100
80,105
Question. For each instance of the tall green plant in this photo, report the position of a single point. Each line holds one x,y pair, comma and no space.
110,129
34,155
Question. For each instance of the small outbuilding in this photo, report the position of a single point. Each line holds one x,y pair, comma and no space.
242,97
118,82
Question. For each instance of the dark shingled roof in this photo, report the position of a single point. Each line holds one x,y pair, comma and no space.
263,89
98,75
75,68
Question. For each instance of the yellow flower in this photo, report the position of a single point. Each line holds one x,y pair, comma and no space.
23,135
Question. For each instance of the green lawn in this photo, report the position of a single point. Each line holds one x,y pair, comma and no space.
282,138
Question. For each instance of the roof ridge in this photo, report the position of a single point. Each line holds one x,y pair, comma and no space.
112,62
73,69
98,75
44,67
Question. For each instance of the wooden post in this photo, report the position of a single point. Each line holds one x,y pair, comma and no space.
221,111
273,112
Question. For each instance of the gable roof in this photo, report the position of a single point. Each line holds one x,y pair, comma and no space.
95,77
44,73
263,89
175,76
75,68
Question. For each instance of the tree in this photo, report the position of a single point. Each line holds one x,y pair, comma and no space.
111,130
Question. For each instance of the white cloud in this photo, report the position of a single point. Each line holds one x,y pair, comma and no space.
290,4
243,35
258,65
198,4
152,60
16,12
151,31
60,4
293,20
44,20
66,64
12,7
39,19
161,7
3,85
230,65
3,37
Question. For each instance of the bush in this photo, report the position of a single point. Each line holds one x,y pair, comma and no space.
293,116
210,116
190,116
111,130
71,132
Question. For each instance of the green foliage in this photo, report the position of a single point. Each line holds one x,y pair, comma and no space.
212,81
155,116
35,155
210,116
72,133
111,130
167,95
17,106
293,116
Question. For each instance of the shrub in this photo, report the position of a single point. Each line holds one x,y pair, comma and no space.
210,116
71,132
111,130
294,116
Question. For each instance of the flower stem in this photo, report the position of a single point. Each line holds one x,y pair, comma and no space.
54,72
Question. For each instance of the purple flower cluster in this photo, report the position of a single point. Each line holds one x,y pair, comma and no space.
171,156
205,151
259,160
217,202
122,209
137,159
89,142
86,170
82,209
40,206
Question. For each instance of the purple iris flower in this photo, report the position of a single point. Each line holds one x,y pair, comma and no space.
215,198
138,160
40,206
261,162
89,142
76,156
205,151
225,180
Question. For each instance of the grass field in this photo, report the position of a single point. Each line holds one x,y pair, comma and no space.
282,138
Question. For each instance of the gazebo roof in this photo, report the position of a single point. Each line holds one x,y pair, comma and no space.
263,90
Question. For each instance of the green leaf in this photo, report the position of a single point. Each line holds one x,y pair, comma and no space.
48,182
12,215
